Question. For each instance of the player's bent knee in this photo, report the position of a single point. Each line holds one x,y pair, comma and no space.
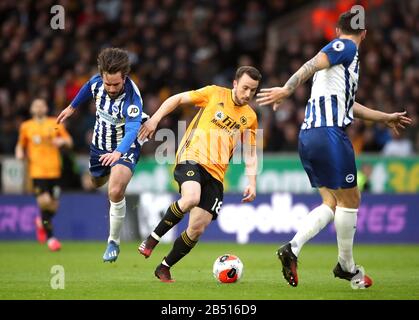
53,205
116,193
191,200
44,201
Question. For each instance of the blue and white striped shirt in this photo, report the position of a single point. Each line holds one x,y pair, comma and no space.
117,120
333,90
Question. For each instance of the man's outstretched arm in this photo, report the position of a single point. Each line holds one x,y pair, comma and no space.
170,104
82,96
394,121
276,95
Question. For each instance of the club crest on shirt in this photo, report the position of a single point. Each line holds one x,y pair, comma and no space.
36,139
219,115
243,120
115,109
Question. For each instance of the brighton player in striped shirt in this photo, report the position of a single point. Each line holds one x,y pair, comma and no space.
326,151
114,150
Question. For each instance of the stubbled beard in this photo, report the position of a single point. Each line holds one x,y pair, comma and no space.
116,95
237,100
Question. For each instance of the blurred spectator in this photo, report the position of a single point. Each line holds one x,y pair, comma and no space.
398,146
363,177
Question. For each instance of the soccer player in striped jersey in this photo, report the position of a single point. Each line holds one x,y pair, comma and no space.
326,151
223,120
114,150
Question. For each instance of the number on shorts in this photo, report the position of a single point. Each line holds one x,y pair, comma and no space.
130,157
217,206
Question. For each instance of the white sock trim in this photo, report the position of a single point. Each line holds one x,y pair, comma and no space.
165,263
347,210
117,205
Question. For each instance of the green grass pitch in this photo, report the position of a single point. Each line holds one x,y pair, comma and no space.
25,273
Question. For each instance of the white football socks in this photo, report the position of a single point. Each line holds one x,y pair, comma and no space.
345,224
116,218
312,224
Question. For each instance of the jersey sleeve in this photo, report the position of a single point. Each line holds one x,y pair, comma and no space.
85,92
133,113
249,135
340,52
201,96
62,132
253,129
23,137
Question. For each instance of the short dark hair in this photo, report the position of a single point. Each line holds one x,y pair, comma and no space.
113,60
252,72
344,23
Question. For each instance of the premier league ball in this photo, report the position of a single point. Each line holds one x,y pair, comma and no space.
227,268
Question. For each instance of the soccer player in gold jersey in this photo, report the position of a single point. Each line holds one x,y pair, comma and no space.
40,140
223,120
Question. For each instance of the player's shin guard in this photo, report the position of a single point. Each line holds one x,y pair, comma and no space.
182,246
116,218
345,224
46,216
172,217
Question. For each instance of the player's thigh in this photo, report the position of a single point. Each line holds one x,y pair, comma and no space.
44,199
188,177
212,194
47,192
347,198
99,181
99,174
130,158
191,191
199,219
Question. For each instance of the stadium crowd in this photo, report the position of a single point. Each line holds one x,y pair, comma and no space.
178,45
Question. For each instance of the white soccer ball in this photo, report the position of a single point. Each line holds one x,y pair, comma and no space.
227,268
